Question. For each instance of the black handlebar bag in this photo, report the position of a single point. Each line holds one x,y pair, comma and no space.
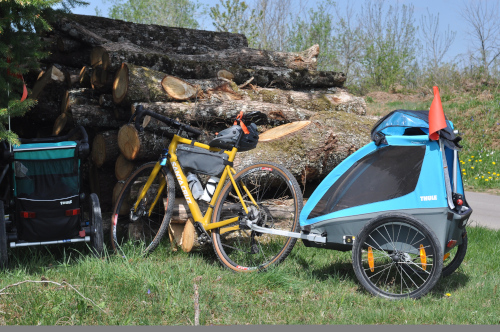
46,191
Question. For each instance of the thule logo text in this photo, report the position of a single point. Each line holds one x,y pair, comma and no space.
428,198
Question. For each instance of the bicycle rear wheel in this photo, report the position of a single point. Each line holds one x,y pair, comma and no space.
150,220
279,202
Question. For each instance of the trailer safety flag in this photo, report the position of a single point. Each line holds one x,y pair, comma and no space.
437,120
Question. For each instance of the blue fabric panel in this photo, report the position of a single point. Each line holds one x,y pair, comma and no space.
429,193
45,151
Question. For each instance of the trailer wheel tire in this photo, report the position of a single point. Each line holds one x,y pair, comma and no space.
96,232
397,256
3,239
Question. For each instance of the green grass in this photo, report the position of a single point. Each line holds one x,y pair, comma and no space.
478,120
312,286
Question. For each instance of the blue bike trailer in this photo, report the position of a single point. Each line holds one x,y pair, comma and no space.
401,171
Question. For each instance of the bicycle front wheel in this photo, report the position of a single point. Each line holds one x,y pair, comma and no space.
274,201
149,221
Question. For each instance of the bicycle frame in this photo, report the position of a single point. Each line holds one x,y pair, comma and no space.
183,183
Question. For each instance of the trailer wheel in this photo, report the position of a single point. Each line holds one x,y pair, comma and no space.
456,257
397,256
3,239
96,232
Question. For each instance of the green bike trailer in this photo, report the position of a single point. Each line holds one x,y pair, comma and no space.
43,202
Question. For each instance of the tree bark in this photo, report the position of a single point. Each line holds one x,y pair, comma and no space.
219,114
140,146
114,54
312,152
77,97
75,59
106,101
288,78
68,45
335,99
156,37
101,80
105,148
93,116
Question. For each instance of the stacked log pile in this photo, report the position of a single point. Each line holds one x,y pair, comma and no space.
100,69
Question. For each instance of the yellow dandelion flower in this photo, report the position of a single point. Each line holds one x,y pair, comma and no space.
448,294
494,163
476,178
485,179
488,172
480,160
465,173
472,167
482,176
472,156
469,160
490,177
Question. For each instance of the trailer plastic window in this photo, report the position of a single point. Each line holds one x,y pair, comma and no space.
384,174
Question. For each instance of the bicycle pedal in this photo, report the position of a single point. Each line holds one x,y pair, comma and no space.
254,249
203,237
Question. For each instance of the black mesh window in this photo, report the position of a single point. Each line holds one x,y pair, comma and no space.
386,173
46,179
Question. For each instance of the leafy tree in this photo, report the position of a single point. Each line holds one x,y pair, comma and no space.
21,23
234,16
390,43
174,13
316,28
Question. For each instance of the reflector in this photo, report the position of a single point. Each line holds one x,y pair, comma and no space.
73,212
370,259
423,257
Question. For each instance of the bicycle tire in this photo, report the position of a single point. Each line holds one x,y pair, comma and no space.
4,258
456,257
248,251
148,228
96,231
398,268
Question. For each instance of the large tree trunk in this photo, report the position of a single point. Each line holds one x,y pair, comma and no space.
218,114
335,99
140,84
288,78
156,37
105,148
140,146
77,97
94,116
312,152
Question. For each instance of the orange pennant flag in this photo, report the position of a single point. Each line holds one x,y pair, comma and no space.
437,121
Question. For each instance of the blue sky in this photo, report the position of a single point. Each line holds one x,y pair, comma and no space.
448,15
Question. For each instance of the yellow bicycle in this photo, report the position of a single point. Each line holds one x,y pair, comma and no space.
252,217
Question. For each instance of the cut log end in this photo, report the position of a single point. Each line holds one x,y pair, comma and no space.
63,122
128,141
123,168
120,84
178,89
282,130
